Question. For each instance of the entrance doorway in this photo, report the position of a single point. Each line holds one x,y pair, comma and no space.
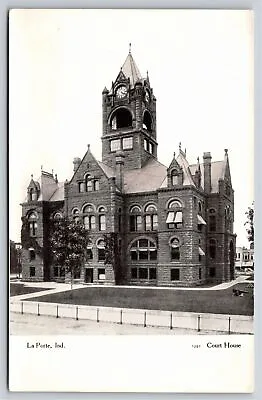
89,275
231,260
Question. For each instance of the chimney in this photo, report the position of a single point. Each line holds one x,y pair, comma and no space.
76,162
120,170
207,172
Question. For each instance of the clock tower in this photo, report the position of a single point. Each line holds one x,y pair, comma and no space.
129,118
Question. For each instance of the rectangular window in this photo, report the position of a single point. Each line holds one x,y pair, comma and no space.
175,274
31,255
143,273
134,273
153,255
152,273
32,228
212,272
155,222
148,223
102,222
133,255
151,148
101,255
115,145
89,254
143,255
200,273
127,143
135,223
81,187
175,253
170,217
101,274
96,185
89,186
145,144
32,271
92,222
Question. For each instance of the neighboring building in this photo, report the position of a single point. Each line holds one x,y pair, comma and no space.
173,224
244,258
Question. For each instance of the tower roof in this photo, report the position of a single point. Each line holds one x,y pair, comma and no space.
130,69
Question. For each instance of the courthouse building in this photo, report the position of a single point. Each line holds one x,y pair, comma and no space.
173,224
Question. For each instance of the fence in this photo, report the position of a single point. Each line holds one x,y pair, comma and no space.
165,319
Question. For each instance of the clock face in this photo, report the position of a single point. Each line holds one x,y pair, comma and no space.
147,96
121,92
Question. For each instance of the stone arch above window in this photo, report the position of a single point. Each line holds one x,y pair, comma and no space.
151,207
32,215
147,121
57,216
135,209
87,208
121,118
102,209
174,203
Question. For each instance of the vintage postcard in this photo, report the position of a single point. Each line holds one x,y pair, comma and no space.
131,200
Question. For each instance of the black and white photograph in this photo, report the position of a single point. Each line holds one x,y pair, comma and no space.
131,200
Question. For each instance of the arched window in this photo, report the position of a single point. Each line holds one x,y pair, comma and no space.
88,183
212,249
175,249
101,250
57,216
32,219
76,217
174,215
135,219
121,118
212,220
175,177
151,218
143,250
147,121
89,250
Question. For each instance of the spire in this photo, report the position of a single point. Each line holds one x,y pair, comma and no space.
130,69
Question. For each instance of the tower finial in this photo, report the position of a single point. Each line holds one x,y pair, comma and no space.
129,48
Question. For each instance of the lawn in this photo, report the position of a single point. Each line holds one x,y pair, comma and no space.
202,301
17,289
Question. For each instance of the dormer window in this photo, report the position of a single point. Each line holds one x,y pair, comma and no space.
32,194
176,177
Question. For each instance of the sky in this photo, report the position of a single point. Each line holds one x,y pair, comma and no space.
200,65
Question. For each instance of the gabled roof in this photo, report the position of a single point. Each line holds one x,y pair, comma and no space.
131,70
148,178
187,175
217,172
